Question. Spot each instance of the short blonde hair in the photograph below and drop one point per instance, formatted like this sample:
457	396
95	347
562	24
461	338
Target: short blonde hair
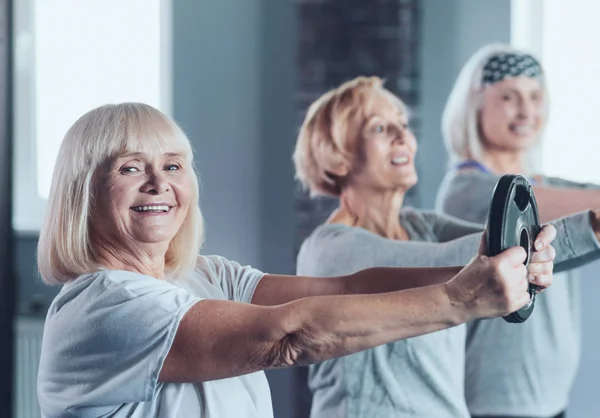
65	250
330	132
460	119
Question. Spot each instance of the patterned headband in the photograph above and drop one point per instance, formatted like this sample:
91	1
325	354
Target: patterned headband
505	65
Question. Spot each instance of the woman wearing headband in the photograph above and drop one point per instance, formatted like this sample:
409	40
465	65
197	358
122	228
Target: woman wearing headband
355	143
491	125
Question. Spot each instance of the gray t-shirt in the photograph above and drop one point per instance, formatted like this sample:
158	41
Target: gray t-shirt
108	333
525	369
416	377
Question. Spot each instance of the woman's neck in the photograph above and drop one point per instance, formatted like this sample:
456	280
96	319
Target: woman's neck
504	162
148	259
375	211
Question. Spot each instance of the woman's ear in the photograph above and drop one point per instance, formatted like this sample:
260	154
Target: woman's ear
341	170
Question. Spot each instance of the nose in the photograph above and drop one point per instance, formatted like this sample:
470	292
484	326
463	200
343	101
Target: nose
527	108
398	133
156	183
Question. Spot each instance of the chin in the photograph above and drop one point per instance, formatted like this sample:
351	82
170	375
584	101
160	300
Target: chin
409	182
522	143
155	237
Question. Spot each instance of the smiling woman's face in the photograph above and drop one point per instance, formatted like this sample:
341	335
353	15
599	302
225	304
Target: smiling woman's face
512	114
387	147
141	198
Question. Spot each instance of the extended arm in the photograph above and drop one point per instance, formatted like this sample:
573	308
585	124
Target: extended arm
220	339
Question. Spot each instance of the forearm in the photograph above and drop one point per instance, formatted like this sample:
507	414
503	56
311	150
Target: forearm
328	327
385	279
276	289
554	202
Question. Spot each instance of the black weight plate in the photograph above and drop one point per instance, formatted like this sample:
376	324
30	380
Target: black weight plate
513	220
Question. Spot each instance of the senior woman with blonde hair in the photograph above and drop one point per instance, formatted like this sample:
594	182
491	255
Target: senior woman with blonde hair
144	327
355	144
493	124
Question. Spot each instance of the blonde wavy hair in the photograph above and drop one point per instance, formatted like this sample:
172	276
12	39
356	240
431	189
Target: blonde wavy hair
65	249
329	135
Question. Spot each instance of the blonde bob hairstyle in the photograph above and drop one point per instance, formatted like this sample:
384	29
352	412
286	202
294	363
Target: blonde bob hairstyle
327	142
460	119
65	249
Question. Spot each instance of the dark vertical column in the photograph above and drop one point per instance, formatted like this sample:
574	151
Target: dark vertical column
7	278
342	39
337	41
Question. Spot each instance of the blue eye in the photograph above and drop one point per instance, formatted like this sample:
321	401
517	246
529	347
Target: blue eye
379	129
129	170
173	167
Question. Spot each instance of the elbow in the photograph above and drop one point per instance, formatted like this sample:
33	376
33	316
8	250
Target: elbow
298	343
287	352
296	349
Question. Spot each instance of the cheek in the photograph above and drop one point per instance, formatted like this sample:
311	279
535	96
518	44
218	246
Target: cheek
494	118
367	150
540	115
107	196
412	143
119	194
183	188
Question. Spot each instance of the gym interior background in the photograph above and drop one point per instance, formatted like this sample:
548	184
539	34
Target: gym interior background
238	75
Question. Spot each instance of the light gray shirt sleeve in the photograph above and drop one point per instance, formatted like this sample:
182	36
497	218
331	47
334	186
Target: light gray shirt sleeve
105	340
576	243
447	228
237	282
345	250
467	195
357	249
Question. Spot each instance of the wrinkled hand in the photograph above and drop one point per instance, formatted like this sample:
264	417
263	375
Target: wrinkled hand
491	286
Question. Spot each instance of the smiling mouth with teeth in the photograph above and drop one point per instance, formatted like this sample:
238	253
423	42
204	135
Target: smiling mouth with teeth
400	160
522	129
152	208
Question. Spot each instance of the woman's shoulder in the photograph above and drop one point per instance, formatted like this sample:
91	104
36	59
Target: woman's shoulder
215	268
325	245
469	176
464	189
107	287
327	232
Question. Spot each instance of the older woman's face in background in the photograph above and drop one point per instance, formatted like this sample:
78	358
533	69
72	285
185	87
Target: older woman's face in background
386	151
512	113
142	198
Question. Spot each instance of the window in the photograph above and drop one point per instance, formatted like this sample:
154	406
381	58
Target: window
563	35
71	56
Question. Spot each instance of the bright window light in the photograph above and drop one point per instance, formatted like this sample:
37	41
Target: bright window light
72	56
88	53
572	144
560	33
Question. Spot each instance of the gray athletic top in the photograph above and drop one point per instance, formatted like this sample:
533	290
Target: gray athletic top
416	377
525	369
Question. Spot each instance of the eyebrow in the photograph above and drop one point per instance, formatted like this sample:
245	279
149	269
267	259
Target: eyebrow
514	90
